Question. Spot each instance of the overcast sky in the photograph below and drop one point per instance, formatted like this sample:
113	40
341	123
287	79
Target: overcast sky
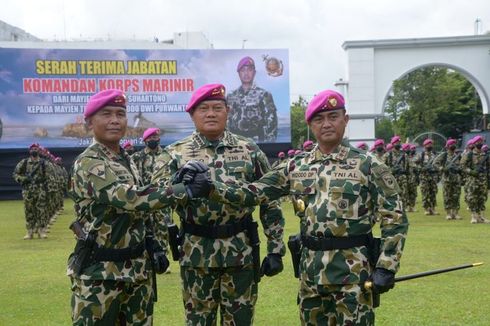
312	30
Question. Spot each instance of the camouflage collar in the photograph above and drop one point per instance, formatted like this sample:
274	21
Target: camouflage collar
243	91
98	147
158	151
228	140
340	153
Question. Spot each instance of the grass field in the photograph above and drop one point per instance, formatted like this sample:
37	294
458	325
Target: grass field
35	291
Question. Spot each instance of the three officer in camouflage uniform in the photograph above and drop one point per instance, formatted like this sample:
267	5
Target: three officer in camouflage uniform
253	113
345	189
110	268
31	174
218	252
448	163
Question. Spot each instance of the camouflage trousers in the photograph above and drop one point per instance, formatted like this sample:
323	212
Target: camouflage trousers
412	192
99	302
335	304
428	188
451	191
34	206
476	193
402	181
232	289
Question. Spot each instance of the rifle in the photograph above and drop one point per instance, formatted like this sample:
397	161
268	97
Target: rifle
451	166
397	169
30	176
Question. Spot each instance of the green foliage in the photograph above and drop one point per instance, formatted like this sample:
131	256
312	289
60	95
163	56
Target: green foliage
35	290
384	129
299	128
433	99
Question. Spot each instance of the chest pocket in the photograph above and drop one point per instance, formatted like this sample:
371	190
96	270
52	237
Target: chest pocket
239	173
344	200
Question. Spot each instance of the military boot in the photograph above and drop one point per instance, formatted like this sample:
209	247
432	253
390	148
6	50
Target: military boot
427	212
456	215
474	218
28	235
482	219
41	233
449	214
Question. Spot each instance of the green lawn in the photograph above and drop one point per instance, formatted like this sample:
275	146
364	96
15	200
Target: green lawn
35	290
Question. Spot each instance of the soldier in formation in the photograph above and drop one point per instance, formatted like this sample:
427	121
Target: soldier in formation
429	177
398	162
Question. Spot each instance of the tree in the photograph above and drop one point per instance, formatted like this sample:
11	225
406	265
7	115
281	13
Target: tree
433	99
299	128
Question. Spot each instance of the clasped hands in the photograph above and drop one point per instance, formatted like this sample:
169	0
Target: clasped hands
195	177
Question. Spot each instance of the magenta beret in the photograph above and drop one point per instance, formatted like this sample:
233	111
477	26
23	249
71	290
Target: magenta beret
395	139
413	147
126	144
428	141
389	146
281	154
477	139
325	100
450	142
307	143
150	132
484	148
35	145
405	147
361	145
296	152
108	97
379	142
245	61
291	152
206	93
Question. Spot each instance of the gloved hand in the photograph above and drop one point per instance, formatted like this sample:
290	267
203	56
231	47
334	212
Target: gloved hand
199	186
188	171
383	280
271	265
161	262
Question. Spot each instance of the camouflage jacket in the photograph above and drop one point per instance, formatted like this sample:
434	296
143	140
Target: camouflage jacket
110	203
448	164
425	162
344	192
398	161
233	159
145	162
29	172
476	161
253	114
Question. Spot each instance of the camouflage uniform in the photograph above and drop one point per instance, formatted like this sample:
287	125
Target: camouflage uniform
252	114
32	175
219	271
399	163
448	163
344	192
145	161
428	181
413	182
109	204
476	166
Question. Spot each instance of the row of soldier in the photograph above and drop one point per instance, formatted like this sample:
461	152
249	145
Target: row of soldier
467	169
43	179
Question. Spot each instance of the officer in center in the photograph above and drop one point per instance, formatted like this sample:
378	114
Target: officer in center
345	190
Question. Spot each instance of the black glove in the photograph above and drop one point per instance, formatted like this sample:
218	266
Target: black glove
160	261
383	280
188	171
199	187
271	265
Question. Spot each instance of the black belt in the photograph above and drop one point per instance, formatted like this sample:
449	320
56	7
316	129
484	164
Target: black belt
331	243
105	254
217	231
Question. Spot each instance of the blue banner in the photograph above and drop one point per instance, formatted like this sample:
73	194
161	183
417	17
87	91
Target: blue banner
43	92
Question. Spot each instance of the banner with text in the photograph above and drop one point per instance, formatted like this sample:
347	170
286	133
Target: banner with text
43	92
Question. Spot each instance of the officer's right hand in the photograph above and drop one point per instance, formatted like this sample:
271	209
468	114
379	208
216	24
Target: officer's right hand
383	280
199	186
271	265
188	171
